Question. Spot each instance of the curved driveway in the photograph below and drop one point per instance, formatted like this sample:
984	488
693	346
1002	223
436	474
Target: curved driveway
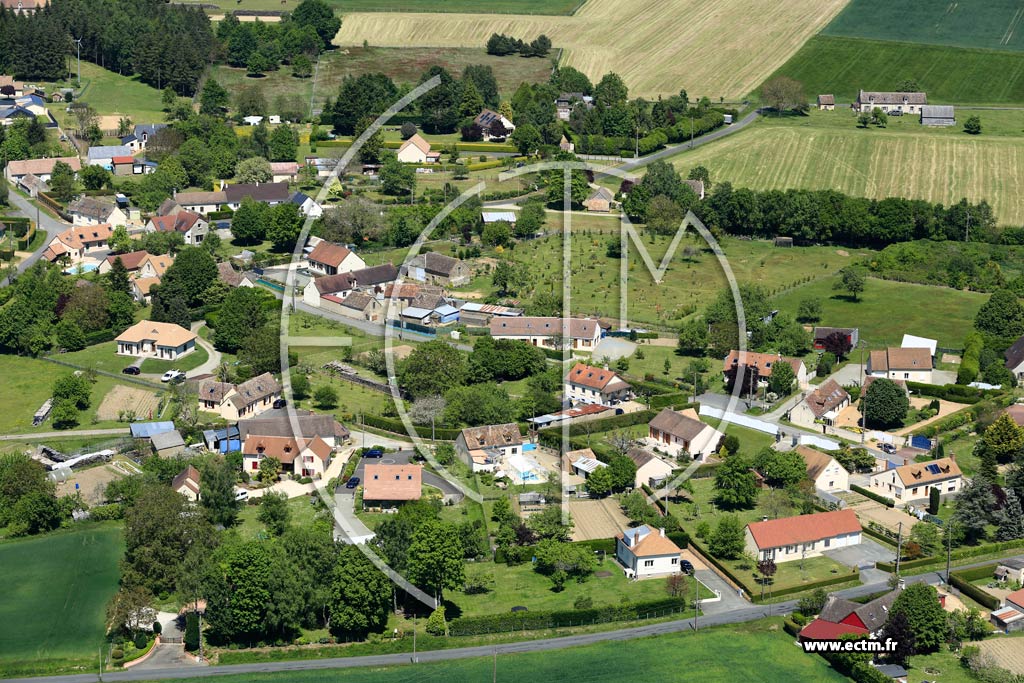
49	225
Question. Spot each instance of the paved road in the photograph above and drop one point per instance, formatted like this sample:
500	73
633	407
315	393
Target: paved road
51	226
211	365
36	436
697	142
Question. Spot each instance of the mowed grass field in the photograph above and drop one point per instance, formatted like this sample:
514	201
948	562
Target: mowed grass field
713	655
827	151
403	65
950	75
995	24
476	6
110	93
939	313
56	589
657	46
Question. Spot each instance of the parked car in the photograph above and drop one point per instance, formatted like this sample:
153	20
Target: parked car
131	370
172	376
352	483
280	403
241	494
887	448
374	453
687	566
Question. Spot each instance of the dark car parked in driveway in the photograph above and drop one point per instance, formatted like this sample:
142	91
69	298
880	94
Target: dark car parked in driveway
352	483
131	370
374	453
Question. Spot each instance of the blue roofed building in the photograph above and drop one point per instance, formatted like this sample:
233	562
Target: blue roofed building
144	430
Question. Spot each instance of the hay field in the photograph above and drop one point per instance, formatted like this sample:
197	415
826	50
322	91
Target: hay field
872	163
658	46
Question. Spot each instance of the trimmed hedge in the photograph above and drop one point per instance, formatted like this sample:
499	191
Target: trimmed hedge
678	398
959	554
975	573
484	165
552	436
971	360
653	387
396	426
972	591
839	578
957	393
879	537
872	495
791	627
605	544
523	621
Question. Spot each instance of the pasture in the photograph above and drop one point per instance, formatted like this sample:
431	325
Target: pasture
950	75
938	313
57	587
657	46
827	151
993	24
402	64
113	94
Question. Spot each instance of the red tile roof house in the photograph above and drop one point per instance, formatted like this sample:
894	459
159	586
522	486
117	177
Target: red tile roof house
645	552
794	538
821	407
588	384
187	483
1010	617
305	458
385	487
328	258
192	226
760	365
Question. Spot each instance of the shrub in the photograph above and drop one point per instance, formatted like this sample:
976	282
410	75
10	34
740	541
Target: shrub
872	495
158	628
140	641
192	634
117	653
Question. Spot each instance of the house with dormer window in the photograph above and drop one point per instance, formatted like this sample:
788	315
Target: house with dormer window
483	448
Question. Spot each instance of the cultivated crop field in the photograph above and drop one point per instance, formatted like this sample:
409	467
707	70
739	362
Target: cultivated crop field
657	46
997	24
950	75
56	589
806	152
1008	653
476	6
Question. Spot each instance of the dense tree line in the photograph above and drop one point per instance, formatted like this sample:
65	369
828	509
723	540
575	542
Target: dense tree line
296	40
167	45
501	45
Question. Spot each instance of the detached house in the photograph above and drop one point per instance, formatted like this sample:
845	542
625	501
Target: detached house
650	469
680	433
587	384
328	258
890	102
494	125
41	168
824	470
361	306
913	482
850	334
385	487
235	402
103	155
826	102
583	333
1010	617
131	261
908	364
841	617
438	269
1014	358
307	458
645	552
149	339
299	423
329	291
793	538
76	241
187	483
483	448
93	211
416	150
192	226
821	406
599	201
758	366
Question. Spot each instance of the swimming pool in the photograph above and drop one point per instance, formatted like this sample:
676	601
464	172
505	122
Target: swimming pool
83	268
527	447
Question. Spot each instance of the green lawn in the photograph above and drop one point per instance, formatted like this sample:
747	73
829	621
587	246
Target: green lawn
942	666
950	75
935	312
965	23
28	382
56	588
189	362
403	65
302	514
713	655
98	357
521	585
110	93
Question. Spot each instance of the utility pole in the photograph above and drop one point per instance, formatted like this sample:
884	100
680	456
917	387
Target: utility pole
696	600
899	547
949	548
78	42
494	668
691	132
101	662
413	642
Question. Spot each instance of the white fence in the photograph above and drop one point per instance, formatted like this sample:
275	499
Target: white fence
741	420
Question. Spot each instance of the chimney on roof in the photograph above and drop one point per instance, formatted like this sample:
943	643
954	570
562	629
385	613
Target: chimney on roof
662	530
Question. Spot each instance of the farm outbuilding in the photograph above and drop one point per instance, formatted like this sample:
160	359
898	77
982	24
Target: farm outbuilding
937	115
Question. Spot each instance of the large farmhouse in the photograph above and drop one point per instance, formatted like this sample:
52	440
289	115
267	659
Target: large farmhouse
587	384
890	102
583	333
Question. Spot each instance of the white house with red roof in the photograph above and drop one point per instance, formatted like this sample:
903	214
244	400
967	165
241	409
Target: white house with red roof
416	150
644	551
589	384
192	226
762	364
328	258
302	457
794	538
